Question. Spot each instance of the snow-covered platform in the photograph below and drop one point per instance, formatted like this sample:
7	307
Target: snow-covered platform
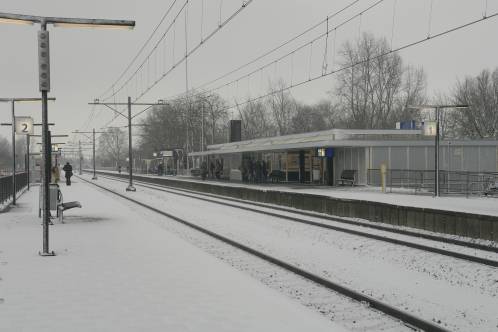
116	270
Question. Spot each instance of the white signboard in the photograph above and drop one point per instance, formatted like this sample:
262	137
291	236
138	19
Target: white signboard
167	153
24	125
429	128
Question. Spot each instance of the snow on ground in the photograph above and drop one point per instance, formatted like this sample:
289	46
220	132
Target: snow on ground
115	271
477	205
463	295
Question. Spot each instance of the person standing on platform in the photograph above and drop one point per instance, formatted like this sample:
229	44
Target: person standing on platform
68	169
56	175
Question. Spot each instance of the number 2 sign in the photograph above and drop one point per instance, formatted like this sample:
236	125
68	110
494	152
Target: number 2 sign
24	125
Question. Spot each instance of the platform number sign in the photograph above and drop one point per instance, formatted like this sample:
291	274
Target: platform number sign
24	125
429	128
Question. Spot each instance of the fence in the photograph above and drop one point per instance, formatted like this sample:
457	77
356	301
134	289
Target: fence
6	191
450	182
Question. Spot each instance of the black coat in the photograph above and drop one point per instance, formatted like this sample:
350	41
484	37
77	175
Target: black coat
68	169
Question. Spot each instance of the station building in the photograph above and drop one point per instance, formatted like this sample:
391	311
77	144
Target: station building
320	157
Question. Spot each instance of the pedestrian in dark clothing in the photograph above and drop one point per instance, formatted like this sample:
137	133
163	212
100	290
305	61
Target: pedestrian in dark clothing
264	171
251	170
204	170
257	170
218	169
119	169
68	169
211	169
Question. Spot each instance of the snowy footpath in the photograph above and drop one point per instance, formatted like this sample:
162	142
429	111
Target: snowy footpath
115	271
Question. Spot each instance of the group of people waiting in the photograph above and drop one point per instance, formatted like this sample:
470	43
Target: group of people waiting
254	171
56	176
214	171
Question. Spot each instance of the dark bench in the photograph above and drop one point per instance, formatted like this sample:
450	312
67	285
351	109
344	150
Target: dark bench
277	176
348	176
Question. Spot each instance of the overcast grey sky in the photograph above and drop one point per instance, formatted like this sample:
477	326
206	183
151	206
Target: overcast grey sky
85	62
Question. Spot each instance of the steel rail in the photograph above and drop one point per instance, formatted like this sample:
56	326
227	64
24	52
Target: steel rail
444	252
387	309
332	218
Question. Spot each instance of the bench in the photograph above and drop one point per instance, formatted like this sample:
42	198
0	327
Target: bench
57	202
277	176
61	206
66	206
348	176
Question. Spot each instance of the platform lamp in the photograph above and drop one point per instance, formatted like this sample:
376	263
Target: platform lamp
26	129
436	135
44	86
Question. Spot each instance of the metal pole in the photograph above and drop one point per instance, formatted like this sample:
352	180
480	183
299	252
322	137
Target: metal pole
186	147
28	139
46	168
13	154
81	157
202	131
94	174
436	160
130	153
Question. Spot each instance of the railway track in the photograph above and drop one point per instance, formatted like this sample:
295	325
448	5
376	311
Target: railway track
403	316
216	200
156	181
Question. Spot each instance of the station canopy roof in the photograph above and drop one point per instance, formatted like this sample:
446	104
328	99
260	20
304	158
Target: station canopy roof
317	139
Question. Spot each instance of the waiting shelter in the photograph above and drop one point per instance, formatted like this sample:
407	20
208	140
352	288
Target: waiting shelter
320	157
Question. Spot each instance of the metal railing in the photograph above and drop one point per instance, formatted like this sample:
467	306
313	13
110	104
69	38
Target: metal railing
450	182
6	192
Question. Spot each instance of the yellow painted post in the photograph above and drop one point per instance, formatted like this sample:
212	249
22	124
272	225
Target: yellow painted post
383	171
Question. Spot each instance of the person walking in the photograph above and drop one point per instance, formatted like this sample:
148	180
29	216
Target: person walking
69	172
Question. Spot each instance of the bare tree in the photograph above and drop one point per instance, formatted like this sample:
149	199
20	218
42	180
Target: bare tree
216	114
320	116
111	147
5	155
374	88
256	120
413	92
282	106
481	92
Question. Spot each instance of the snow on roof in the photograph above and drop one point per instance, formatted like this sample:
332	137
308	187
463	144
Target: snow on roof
332	138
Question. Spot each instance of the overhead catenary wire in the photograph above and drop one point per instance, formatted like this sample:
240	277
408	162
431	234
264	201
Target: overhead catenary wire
400	48
195	48
280	46
244	5
299	48
275	62
141	48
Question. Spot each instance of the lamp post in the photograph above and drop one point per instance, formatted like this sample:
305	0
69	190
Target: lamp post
13	101
437	109
128	117
44	87
93	132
